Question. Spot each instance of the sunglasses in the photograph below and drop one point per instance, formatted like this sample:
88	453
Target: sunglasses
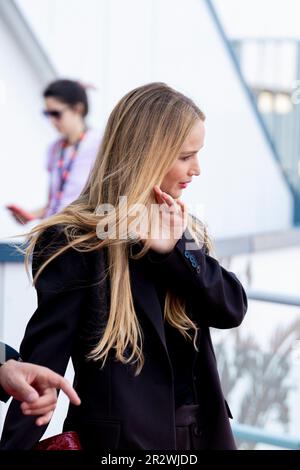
55	113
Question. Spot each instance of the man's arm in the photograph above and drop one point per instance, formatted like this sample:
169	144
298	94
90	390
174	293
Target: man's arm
36	387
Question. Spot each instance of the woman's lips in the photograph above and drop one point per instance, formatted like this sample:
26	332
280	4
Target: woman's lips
184	185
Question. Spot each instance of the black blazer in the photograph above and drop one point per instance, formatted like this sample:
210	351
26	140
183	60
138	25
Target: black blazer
119	410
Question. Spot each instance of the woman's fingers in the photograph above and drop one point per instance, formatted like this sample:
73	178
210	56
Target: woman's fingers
184	211
168	199
182	206
165	198
158	194
172	205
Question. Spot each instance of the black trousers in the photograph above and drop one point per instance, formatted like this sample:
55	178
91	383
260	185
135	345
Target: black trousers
189	430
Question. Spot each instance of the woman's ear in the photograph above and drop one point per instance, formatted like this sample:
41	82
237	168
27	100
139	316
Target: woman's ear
79	108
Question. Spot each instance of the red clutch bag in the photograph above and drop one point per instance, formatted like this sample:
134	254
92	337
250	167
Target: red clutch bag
64	441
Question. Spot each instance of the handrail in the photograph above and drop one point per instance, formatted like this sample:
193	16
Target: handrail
248	93
259	242
253	434
273	298
10	254
245	432
244	244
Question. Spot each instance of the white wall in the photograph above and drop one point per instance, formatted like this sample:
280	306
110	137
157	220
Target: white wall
24	135
260	18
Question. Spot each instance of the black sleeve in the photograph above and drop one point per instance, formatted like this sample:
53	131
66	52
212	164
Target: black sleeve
3	395
6	353
50	333
216	295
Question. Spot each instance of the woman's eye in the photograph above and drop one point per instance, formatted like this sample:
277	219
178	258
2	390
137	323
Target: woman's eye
185	158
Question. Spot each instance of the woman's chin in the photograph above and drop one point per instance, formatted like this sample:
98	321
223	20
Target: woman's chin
176	193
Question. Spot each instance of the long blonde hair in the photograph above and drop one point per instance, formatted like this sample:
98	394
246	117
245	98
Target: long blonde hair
142	140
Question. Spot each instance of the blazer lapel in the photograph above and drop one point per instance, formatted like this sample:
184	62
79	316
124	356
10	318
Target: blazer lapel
146	298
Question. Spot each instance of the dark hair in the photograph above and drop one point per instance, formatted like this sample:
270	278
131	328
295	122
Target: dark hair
69	92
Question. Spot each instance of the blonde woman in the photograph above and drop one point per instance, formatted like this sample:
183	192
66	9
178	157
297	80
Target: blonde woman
127	288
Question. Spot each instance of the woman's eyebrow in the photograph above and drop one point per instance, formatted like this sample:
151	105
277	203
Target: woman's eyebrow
189	152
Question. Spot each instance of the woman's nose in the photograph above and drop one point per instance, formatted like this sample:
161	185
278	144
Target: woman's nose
195	169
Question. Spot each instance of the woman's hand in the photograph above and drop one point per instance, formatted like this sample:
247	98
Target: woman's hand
170	222
21	216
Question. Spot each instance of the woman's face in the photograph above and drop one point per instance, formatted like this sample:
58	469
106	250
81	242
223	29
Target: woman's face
64	116
187	165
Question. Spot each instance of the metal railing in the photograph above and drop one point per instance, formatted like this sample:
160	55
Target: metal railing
253	434
248	433
273	298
